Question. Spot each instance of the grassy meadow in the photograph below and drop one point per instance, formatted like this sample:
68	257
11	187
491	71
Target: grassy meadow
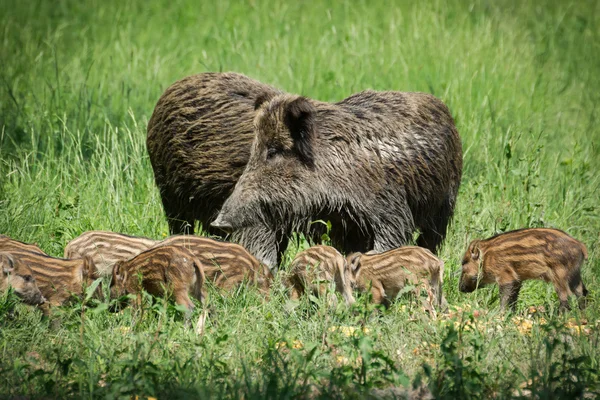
79	81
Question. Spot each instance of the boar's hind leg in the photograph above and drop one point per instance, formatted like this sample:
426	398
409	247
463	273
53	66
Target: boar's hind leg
179	221
562	290
578	288
509	293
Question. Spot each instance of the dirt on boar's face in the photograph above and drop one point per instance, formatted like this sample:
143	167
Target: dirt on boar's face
377	165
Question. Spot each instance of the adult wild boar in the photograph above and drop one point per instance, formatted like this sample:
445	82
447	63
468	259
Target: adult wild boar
199	140
378	165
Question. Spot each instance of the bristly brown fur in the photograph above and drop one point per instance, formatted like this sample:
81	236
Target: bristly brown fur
16	274
378	165
510	258
106	248
58	279
226	265
389	272
199	139
161	270
8	244
313	269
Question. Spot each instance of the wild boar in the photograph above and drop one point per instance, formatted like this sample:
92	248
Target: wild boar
20	277
160	271
106	248
313	269
7	244
58	279
510	258
199	139
378	165
226	265
389	272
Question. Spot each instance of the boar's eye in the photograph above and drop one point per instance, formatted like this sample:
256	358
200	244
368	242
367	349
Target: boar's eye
28	278
272	152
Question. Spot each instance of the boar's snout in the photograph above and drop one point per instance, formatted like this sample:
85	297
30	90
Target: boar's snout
467	284
32	298
222	223
39	300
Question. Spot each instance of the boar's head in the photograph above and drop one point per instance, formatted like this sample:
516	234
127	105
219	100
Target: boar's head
278	182
20	277
471	274
119	280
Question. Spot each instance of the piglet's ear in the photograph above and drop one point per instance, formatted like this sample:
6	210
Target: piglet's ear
354	263
116	273
300	117
474	249
7	263
89	267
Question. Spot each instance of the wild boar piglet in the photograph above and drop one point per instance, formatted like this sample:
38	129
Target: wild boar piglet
510	258
389	272
226	265
160	271
106	248
20	277
313	269
58	279
8	245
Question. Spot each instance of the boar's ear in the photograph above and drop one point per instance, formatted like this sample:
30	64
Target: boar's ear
300	120
261	99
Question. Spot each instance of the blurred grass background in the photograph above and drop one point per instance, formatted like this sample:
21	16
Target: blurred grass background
79	81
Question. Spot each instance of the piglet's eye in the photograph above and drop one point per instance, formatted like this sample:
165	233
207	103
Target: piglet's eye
28	278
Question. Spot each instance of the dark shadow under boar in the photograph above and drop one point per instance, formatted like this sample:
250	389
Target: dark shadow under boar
378	165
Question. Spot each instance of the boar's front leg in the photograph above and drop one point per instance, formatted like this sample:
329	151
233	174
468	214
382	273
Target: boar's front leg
393	230
379	295
509	293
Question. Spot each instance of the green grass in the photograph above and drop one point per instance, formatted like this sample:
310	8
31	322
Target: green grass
78	83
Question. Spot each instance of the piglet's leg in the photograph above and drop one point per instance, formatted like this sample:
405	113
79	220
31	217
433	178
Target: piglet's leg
295	295
379	296
509	293
563	294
